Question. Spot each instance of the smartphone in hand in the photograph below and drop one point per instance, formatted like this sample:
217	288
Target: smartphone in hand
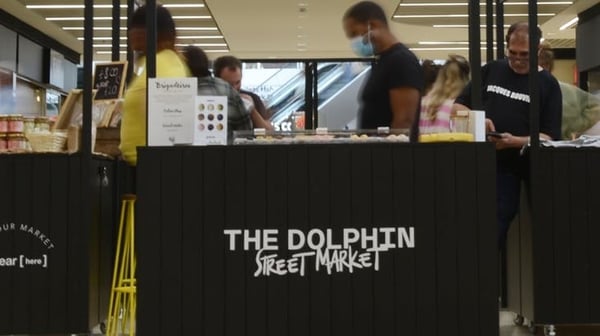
496	135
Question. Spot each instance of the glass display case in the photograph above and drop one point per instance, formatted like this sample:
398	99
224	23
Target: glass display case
319	136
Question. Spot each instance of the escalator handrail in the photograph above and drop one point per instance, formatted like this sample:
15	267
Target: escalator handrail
328	79
296	82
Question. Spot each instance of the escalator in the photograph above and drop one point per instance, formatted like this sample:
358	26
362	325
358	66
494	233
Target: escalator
290	97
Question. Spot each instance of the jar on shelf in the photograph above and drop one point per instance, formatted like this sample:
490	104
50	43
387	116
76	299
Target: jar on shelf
3	142
3	123
42	124
16	142
15	123
28	124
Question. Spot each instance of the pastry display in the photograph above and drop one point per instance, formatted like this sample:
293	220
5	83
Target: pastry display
318	137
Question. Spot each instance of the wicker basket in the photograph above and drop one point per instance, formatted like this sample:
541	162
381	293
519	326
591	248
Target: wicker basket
47	141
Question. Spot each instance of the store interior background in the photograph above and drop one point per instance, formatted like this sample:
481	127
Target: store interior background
293	31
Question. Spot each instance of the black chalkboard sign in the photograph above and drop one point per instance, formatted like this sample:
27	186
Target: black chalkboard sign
109	79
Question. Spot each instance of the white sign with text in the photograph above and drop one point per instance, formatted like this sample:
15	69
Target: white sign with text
171	111
332	251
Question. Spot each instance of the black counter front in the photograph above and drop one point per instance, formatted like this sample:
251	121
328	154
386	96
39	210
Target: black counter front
432	271
55	259
554	261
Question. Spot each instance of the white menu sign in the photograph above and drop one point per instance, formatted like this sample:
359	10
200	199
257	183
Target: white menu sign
210	122
171	111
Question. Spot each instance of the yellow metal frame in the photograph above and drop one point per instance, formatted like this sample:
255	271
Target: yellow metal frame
122	306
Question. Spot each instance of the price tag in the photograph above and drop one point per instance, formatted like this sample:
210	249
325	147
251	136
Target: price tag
383	130
322	130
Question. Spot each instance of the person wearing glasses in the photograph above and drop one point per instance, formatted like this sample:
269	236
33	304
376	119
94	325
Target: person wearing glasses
505	98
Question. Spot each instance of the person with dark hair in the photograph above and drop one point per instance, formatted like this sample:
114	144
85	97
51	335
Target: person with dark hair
392	93
430	73
168	65
229	68
436	107
505	96
238	116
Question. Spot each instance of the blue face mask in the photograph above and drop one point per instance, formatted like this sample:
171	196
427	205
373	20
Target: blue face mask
362	46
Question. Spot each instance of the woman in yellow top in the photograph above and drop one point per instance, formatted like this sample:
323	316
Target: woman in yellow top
168	64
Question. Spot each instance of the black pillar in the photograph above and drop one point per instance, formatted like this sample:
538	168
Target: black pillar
475	53
309	70
489	30
499	29
88	56
583	80
534	105
150	49
130	9
116	30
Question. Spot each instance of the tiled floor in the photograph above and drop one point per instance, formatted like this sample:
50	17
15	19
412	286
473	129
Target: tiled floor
508	328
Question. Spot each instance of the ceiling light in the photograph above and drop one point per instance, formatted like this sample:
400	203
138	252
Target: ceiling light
516	3
200	37
108	45
422	16
447	42
97	38
95	28
183	5
108	18
81	18
68	6
192	17
202	44
108	6
441	48
460	26
569	24
196	28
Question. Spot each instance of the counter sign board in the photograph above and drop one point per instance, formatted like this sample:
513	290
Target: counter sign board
171	103
210	120
109	80
318	249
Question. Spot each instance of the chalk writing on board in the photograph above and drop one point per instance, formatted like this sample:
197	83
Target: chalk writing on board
357	249
108	80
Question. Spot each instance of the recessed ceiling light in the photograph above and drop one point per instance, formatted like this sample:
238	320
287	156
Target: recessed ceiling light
447	42
195	28
194	37
515	3
108	18
98	38
202	44
460	26
108	6
108	45
423	16
183	5
569	23
192	17
95	28
441	48
81	18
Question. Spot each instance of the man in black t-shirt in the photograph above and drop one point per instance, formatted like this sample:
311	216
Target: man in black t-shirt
392	94
505	95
